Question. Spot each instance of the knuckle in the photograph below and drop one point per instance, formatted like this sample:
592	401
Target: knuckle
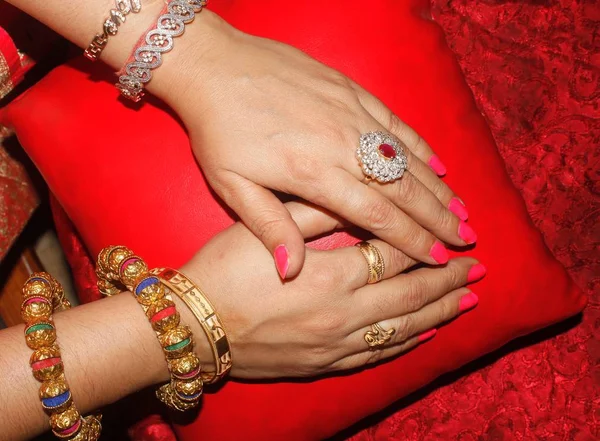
340	79
374	357
415	295
326	276
405	328
457	274
395	124
303	169
379	215
397	260
445	311
419	145
421	240
337	135
444	219
266	224
440	189
410	191
328	326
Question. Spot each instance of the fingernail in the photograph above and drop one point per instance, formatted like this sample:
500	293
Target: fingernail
427	335
282	260
457	207
476	272
439	253
468	301
467	233
437	165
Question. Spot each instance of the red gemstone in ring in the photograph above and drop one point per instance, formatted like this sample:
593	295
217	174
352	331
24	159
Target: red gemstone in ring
387	151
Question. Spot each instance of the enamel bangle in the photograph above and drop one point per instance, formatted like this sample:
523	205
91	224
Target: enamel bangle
42	296
119	267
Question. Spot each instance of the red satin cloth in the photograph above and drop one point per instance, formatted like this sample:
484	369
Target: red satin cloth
530	68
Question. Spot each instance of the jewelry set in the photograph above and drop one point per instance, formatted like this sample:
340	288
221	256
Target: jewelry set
118	270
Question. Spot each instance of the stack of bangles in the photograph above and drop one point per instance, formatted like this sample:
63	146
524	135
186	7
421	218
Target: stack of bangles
119	269
147	54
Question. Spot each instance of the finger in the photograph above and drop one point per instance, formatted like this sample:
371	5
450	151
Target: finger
431	180
395	125
267	217
429	167
414	328
312	220
367	208
407	293
367	357
357	268
415	199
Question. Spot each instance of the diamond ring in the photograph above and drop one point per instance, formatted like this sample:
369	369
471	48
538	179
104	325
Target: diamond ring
381	156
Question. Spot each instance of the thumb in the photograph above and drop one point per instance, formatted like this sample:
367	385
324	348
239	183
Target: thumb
267	217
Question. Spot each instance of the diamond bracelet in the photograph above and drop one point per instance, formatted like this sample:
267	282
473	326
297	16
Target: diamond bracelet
111	26
158	40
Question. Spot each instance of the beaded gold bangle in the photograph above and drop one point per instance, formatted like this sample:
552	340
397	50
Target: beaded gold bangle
201	307
42	295
117	265
111	25
147	57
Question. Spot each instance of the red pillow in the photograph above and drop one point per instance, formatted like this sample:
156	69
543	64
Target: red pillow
128	176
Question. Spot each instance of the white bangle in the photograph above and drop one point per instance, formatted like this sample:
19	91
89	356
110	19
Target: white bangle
111	26
159	39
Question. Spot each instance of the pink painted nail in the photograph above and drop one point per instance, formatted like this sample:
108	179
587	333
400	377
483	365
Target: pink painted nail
439	253
427	335
282	260
476	272
467	233
457	207
468	301
437	165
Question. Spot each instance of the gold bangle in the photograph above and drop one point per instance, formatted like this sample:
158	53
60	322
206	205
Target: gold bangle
201	307
42	296
119	268
111	25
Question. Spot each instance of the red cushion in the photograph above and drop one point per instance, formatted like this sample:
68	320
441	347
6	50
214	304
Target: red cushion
128	176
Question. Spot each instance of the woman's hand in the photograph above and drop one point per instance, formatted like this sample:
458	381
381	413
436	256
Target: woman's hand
263	117
316	323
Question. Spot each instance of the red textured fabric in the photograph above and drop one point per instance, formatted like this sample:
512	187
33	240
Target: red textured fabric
422	83
534	68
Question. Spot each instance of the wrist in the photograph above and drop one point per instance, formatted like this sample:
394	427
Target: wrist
194	59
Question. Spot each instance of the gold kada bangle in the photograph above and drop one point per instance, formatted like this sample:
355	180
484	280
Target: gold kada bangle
201	307
119	268
42	296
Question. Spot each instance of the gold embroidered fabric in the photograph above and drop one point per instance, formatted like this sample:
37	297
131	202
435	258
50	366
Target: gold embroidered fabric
6	84
18	198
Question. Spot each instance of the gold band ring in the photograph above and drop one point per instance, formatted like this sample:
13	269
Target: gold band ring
374	260
377	337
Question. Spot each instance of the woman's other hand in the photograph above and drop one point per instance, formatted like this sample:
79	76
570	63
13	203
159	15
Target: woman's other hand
317	322
263	117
